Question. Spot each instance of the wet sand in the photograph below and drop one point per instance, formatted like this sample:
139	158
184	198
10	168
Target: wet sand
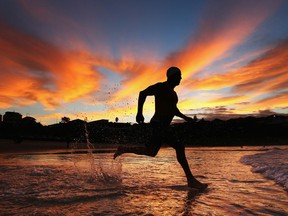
9	146
95	184
34	146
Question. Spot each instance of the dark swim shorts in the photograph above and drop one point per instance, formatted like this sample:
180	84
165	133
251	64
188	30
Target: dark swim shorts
162	133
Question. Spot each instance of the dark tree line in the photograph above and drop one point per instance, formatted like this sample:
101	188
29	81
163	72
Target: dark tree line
242	131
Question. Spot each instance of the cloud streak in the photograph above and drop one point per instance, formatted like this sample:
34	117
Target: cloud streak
34	70
267	74
219	31
214	37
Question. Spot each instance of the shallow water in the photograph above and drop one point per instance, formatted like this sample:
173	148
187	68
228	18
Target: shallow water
86	184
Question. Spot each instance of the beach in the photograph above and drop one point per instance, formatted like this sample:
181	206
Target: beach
34	146
59	183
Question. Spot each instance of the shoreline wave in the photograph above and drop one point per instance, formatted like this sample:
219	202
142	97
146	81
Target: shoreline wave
272	164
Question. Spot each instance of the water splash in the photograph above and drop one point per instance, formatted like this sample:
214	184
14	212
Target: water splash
92	166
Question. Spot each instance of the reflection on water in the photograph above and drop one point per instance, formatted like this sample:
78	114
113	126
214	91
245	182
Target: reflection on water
86	184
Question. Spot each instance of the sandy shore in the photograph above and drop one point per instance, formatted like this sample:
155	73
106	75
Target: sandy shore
7	146
26	146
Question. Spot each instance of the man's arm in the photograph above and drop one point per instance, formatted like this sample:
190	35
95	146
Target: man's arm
141	101
151	90
181	115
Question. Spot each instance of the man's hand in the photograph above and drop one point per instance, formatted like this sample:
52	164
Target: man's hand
139	118
181	115
188	119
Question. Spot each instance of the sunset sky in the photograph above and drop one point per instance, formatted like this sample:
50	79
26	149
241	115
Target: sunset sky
89	59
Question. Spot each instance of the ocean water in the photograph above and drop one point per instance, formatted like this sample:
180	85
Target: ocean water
273	164
51	183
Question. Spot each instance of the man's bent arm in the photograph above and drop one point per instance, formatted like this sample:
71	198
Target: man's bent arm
151	90
181	115
141	100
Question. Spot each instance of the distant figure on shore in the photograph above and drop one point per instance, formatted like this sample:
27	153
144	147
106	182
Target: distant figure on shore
165	109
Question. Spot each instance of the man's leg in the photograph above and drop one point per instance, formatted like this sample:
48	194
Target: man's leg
150	149
172	138
130	149
191	180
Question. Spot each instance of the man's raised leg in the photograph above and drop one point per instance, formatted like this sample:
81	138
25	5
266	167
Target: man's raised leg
130	149
135	150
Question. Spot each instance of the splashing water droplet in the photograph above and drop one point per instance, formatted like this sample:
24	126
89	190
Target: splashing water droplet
92	167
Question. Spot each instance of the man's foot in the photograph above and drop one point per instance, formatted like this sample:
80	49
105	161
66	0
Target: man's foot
119	151
197	185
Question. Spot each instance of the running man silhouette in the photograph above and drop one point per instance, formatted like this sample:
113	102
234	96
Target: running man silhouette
165	109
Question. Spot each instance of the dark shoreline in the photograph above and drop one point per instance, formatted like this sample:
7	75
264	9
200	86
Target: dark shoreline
249	131
60	147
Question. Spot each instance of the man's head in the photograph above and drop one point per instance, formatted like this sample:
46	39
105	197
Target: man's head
174	75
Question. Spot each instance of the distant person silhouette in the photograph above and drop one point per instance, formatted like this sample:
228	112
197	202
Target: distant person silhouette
165	109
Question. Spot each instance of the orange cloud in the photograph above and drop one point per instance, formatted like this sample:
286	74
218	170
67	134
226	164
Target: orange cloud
224	101
260	78
144	75
277	100
267	73
33	70
219	31
136	74
215	36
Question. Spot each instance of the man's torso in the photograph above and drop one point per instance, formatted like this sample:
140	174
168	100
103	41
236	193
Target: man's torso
165	102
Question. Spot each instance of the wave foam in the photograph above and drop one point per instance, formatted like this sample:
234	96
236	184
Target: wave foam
273	164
